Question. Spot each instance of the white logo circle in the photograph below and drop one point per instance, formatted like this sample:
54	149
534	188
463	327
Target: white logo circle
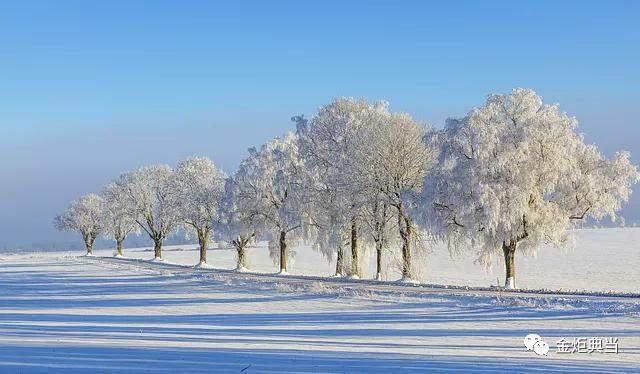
530	340
541	348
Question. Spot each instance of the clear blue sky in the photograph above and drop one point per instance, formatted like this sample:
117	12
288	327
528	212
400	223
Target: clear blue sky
91	89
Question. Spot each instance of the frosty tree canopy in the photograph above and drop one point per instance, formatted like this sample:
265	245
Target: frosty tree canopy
515	172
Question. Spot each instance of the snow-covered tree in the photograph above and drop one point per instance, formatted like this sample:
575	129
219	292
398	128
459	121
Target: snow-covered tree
329	145
153	198
119	218
85	215
378	218
396	162
234	225
325	200
327	226
268	191
514	174
199	191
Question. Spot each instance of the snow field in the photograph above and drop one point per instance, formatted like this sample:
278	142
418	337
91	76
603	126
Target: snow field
589	265
68	313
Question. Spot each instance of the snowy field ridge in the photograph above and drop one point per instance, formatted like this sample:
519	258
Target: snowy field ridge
346	281
605	303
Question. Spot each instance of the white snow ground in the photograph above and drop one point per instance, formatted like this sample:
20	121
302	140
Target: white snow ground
67	313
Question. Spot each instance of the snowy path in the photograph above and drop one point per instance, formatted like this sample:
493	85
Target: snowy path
74	314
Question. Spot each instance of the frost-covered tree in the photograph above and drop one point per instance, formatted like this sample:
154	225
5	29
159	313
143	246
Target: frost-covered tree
152	196
395	162
329	145
514	174
119	218
268	192
199	189
234	225
325	197
85	215
378	217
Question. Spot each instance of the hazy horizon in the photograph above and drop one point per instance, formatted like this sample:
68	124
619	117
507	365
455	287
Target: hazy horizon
92	90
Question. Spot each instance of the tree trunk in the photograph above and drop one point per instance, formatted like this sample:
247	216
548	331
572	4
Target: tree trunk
380	240
406	251
340	262
404	226
240	243
379	245
88	243
119	247
89	247
203	240
283	251
509	250
242	258
355	263
157	249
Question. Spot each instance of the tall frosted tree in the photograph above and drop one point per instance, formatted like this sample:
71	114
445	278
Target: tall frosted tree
153	200
515	173
119	217
325	196
268	190
86	216
395	162
329	145
199	188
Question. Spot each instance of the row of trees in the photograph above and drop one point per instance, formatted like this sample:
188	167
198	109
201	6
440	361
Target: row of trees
510	176
155	200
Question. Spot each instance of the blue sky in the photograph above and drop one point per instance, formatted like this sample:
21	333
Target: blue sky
91	89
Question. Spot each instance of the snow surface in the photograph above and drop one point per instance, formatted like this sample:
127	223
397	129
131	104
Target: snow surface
204	265
69	313
600	260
